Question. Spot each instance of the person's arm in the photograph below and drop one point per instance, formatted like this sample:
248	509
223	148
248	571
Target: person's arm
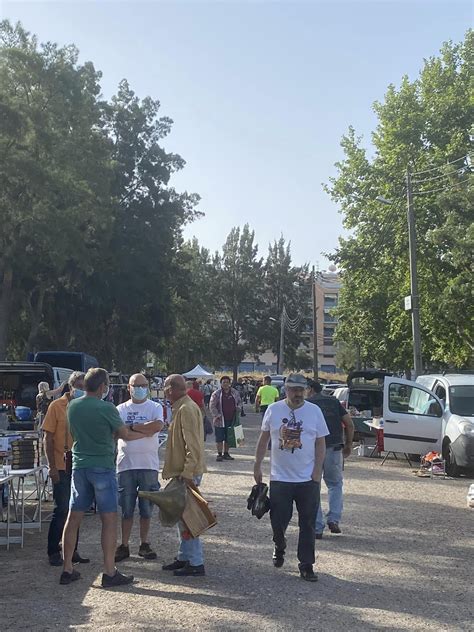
216	415
260	452
319	455
127	434
49	450
193	444
149	428
56	391
349	434
258	399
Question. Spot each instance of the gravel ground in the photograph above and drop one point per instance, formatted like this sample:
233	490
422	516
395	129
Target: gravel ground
404	562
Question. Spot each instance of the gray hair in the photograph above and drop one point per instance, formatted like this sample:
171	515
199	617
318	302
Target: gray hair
75	377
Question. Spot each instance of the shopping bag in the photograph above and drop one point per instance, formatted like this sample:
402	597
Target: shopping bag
197	516
235	436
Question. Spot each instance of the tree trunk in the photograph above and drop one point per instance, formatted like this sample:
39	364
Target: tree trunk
36	316
5	304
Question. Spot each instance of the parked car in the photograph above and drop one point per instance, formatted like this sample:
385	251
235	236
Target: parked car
60	375
434	413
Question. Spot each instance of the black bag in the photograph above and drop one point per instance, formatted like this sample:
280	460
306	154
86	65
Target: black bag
258	502
208	427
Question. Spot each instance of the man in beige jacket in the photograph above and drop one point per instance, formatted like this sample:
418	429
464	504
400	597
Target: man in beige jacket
184	459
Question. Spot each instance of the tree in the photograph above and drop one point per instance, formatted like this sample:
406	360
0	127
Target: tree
54	172
425	124
236	302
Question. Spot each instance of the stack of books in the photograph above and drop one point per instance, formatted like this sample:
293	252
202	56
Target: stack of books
25	454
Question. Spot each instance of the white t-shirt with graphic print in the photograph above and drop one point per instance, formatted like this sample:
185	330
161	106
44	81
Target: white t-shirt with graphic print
141	454
293	434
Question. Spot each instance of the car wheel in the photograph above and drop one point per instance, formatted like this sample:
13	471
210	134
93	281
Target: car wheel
452	469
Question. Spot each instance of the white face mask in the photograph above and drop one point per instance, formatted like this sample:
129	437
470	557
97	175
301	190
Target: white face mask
139	392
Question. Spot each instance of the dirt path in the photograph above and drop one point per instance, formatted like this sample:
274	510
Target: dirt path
404	562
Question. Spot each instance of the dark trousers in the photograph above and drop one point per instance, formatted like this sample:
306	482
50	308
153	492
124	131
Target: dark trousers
306	497
61	494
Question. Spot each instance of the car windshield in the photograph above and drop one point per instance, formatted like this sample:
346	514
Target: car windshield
461	400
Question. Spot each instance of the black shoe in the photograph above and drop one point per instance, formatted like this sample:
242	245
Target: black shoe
334	527
243	415
307	573
55	559
319	536
77	559
146	551
227	457
174	566
190	571
122	553
278	557
109	581
67	578
219	457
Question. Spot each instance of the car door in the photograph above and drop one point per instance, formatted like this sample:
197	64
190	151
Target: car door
412	417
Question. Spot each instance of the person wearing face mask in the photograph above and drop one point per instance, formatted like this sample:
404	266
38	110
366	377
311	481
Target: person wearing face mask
138	464
297	429
94	425
57	444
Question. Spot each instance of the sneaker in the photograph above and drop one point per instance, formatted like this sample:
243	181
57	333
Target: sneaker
55	559
190	571
78	559
278	557
109	581
122	553
146	551
227	457
67	578
174	566
334	527
319	536
219	457
307	573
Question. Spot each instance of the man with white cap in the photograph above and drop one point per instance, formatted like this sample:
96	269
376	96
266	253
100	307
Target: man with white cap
297	429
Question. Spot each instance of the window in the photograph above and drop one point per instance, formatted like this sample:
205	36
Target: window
330	300
412	401
462	400
328	317
328	342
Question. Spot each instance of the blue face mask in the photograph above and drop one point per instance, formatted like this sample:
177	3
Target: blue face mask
78	393
139	392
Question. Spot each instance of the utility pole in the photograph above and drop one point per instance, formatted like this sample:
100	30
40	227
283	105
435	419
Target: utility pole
281	355
315	326
415	299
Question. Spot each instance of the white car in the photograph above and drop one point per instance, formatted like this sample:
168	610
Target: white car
434	413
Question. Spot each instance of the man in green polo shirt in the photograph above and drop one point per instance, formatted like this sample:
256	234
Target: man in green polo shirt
266	395
94	424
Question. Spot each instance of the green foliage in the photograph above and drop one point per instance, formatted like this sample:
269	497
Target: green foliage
424	124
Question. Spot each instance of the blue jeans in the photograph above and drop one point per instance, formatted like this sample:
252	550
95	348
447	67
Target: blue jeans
94	482
190	550
333	477
130	482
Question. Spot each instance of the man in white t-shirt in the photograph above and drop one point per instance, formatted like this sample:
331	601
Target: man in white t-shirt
138	464
297	429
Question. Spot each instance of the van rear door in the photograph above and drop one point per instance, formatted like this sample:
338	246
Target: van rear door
412	417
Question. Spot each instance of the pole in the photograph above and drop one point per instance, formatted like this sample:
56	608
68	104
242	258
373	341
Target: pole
315	326
281	355
415	299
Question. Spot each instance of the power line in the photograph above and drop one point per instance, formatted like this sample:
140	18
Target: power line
440	188
443	175
419	173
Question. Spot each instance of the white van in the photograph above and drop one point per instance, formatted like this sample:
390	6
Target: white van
434	413
60	375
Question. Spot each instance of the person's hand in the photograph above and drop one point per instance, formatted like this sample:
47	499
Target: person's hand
316	477
347	451
189	481
54	475
257	473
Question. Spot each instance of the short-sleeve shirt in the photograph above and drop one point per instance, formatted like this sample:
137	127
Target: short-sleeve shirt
293	434
92	423
141	454
268	394
196	396
55	422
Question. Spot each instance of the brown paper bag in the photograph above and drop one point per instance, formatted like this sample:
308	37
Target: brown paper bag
196	515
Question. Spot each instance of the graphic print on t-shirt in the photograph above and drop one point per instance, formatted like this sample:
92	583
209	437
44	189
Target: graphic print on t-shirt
290	433
135	417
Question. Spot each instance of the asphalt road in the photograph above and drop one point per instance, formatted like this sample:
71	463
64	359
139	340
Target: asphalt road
405	561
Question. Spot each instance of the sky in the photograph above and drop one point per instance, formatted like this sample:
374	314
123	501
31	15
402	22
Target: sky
260	93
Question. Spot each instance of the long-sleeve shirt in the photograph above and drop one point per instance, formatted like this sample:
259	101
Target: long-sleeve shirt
185	446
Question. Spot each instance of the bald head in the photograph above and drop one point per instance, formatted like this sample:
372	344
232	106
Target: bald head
138	379
175	387
138	388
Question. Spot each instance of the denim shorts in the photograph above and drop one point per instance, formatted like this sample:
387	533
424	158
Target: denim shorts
91	483
130	482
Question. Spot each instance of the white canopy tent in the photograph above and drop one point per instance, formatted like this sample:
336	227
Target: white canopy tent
197	372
